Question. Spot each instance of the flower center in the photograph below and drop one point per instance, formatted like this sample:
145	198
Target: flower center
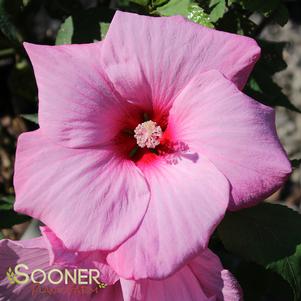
148	134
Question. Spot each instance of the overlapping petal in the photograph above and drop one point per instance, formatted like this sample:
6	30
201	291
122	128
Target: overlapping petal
188	199
79	191
151	66
59	255
203	279
214	279
181	286
236	133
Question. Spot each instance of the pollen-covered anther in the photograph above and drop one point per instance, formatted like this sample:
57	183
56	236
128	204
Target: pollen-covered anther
148	134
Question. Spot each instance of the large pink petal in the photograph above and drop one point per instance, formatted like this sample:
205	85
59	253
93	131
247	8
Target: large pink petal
214	279
158	61
234	132
79	191
77	107
188	199
182	286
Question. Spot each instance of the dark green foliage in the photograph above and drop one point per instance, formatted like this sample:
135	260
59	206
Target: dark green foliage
296	163
8	217
9	12
31	117
274	9
84	26
261	85
266	235
259	283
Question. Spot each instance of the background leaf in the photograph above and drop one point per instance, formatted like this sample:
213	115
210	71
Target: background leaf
141	2
260	234
84	26
31	117
256	281
104	29
261	85
8	11
65	33
198	15
174	7
296	163
8	217
218	9
6	202
273	9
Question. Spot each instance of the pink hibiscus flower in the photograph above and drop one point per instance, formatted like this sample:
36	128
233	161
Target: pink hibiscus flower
145	140
202	279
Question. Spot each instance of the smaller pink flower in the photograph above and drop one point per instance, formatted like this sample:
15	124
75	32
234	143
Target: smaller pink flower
202	279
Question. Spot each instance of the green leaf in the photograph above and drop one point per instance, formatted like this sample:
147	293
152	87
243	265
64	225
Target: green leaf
218	9
6	202
65	33
268	235
8	217
7	52
104	29
86	26
31	117
265	7
1	235
158	3
186	8
175	7
198	15
26	2
143	3
257	283
290	269
272	56
296	163
22	85
7	26
268	8
236	22
262	87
